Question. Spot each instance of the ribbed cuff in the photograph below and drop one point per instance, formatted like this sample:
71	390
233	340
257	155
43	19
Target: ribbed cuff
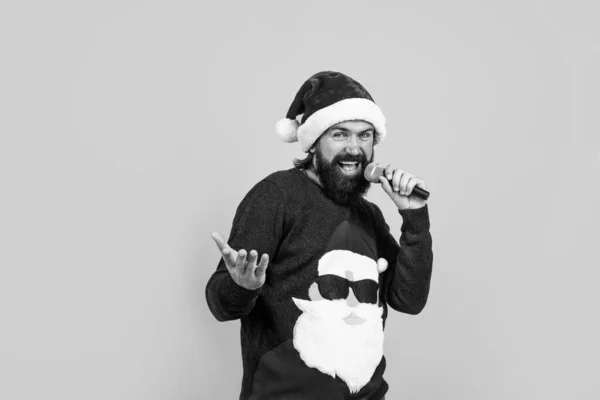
236	294
416	220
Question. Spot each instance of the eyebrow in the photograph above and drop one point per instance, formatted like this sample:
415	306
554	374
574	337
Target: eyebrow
348	130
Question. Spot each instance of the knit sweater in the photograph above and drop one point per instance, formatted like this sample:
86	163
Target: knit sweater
287	216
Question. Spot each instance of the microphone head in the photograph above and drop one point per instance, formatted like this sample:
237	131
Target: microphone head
369	175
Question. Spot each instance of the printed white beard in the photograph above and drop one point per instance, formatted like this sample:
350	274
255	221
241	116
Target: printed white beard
326	342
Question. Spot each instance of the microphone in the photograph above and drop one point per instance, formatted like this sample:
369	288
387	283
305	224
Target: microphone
374	171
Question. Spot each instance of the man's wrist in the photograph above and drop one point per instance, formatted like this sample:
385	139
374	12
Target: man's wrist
415	220
238	294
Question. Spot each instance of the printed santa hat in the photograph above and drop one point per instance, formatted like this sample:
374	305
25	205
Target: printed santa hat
350	248
325	99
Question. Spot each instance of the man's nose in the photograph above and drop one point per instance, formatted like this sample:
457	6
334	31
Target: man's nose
352	147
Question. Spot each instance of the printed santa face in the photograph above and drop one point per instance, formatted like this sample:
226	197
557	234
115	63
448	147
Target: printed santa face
340	331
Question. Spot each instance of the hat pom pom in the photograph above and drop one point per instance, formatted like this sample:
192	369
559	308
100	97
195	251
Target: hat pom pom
287	129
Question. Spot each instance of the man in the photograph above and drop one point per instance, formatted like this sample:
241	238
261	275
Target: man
310	266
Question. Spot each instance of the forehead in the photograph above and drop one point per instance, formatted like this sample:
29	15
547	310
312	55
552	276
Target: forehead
354	126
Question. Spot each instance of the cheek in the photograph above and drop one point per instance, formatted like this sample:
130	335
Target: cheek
331	148
368	151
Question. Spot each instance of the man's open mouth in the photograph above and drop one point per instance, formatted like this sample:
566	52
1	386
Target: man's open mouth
349	166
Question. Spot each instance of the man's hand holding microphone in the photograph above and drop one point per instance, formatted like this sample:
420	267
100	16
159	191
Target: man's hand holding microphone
406	190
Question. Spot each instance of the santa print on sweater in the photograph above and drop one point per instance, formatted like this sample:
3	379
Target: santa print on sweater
340	331
344	336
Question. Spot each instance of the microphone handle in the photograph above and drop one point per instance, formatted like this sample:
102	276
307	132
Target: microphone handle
420	192
417	191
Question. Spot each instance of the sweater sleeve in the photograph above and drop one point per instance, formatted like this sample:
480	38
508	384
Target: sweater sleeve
407	279
257	225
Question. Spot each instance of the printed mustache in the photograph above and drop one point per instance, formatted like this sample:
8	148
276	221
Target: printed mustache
337	309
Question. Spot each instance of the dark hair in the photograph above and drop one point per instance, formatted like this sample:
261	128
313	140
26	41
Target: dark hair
305	163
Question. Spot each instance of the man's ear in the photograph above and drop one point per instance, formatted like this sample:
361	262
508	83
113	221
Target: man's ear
316	142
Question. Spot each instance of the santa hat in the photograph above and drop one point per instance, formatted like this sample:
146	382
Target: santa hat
325	99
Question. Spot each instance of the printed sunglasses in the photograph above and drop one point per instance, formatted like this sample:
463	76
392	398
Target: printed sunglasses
333	287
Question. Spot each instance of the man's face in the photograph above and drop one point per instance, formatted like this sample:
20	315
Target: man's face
341	156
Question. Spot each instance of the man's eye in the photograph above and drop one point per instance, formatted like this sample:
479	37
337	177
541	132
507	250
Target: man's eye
338	134
366	134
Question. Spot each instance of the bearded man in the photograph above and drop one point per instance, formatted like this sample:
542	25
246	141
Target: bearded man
312	324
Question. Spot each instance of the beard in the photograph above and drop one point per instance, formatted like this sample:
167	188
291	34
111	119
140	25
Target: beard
339	187
326	342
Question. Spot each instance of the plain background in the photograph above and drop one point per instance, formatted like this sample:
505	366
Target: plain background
132	129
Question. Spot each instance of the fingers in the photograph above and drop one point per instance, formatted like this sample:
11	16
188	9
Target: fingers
262	266
403	185
240	263
402	182
389	172
395	176
230	257
251	261
414	181
246	262
397	180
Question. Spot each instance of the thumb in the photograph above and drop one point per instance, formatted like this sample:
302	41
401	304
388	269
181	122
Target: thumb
385	184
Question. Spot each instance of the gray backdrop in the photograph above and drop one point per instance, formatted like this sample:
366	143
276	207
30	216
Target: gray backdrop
132	129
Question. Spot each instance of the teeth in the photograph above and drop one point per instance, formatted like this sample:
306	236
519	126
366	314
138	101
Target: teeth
349	166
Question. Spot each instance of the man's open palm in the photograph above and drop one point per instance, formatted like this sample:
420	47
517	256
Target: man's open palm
242	266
